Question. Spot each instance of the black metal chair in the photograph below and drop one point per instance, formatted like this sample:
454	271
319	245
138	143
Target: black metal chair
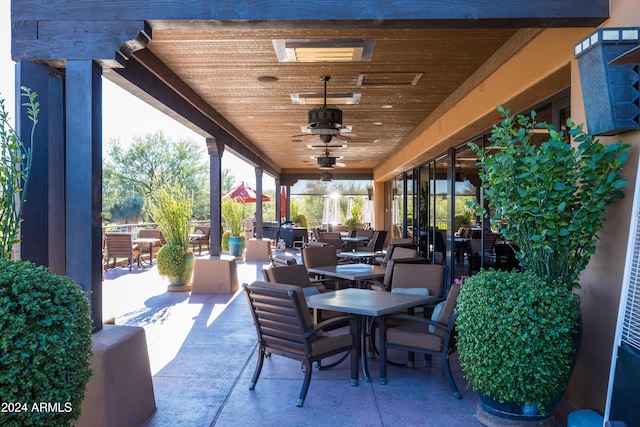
284	326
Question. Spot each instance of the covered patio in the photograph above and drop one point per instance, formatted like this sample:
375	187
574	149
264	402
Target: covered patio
202	350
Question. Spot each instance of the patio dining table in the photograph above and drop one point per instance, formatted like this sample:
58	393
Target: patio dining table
368	304
356	273
147	241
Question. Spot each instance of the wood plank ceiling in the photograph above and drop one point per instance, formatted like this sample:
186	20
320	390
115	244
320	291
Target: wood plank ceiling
236	71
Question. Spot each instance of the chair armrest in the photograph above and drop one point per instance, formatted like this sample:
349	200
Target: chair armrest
447	328
376	285
331	322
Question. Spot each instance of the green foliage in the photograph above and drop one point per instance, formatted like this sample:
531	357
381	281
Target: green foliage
233	213
301	219
45	343
15	169
170	260
225	241
127	211
170	206
352	223
515	336
149	162
550	200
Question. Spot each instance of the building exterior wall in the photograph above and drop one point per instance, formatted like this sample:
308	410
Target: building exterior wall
543	67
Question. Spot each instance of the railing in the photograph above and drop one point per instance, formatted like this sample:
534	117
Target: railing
133	228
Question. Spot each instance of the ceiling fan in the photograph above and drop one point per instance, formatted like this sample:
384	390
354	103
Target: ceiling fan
327	161
325	122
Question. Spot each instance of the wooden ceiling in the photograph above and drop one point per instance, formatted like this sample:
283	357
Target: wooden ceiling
235	70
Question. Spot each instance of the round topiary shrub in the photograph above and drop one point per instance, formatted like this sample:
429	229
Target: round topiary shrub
45	346
170	260
516	336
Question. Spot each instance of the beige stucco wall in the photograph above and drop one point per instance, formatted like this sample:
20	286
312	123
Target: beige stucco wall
601	282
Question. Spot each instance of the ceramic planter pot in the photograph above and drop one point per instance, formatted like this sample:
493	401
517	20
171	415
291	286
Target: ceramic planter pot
236	246
183	282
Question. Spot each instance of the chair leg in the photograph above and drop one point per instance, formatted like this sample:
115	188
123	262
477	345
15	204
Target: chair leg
447	371
307	380
256	373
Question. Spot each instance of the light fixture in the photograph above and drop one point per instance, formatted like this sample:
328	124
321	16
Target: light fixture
325	177
324	50
330	98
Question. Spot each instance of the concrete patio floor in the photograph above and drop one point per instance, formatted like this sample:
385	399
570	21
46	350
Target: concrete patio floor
202	350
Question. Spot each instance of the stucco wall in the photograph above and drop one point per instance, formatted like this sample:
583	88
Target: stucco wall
601	282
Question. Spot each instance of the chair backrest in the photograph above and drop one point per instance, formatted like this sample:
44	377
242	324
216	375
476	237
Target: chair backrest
402	241
418	276
281	317
399	252
119	244
153	233
448	309
376	243
332	239
205	230
289	275
319	256
282	260
365	233
317	231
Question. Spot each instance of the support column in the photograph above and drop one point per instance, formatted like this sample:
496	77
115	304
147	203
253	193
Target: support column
258	215
278	202
83	177
215	149
42	233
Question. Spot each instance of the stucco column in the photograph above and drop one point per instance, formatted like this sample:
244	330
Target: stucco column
215	150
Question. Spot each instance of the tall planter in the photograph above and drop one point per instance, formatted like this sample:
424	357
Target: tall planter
516	331
236	245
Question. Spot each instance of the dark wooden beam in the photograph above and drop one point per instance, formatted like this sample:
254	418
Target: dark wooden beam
83	177
452	13
163	86
63	39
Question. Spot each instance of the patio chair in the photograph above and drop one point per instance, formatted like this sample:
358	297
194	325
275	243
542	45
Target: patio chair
482	251
285	327
323	256
332	239
397	252
120	245
297	275
376	243
200	238
433	336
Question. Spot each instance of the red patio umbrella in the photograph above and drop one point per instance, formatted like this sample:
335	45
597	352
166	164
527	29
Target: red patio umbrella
245	193
283	202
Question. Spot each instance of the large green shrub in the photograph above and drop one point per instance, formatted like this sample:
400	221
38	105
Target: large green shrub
550	199
515	336
45	345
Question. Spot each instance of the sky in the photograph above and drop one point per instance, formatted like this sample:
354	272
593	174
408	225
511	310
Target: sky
118	118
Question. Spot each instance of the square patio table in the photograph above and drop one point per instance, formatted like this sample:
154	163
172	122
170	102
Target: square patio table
352	272
368	304
147	241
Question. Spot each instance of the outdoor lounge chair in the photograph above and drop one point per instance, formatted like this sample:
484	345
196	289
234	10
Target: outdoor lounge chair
285	327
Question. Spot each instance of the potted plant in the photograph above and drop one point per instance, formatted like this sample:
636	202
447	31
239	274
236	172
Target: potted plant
549	201
233	212
45	344
171	207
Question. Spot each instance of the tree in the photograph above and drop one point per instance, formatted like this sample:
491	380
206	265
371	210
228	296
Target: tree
150	162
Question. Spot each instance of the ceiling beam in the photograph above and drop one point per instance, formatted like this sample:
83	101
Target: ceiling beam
496	13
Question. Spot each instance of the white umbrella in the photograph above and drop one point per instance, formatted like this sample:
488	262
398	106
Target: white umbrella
331	210
367	212
349	206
